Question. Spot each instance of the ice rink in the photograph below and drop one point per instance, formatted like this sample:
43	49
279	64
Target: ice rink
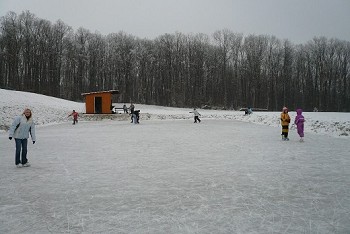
173	176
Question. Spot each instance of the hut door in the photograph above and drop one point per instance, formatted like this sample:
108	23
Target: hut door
98	105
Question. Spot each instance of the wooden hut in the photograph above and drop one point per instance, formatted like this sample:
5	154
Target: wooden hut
99	102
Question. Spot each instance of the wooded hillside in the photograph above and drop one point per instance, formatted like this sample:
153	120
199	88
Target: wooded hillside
225	69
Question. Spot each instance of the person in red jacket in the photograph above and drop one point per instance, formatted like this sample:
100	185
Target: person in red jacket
75	116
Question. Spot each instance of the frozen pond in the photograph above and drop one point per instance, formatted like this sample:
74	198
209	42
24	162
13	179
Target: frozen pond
173	176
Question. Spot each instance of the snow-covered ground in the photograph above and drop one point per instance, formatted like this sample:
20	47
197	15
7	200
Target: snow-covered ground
50	110
168	175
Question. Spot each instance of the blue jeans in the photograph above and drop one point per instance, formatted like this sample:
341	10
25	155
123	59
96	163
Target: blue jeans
21	144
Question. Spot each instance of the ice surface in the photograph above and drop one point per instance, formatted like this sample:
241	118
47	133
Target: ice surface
173	176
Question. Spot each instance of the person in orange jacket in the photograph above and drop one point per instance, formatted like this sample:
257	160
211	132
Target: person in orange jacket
285	120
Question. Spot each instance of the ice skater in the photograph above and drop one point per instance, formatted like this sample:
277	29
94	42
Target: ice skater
299	122
132	112
248	111
196	115
285	120
75	116
20	129
136	116
125	109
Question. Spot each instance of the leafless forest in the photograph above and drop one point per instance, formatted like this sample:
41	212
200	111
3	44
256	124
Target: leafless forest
226	69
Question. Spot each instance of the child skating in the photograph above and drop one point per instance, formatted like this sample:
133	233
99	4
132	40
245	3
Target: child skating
299	122
75	116
285	120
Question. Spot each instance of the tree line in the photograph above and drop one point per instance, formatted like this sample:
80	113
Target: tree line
226	69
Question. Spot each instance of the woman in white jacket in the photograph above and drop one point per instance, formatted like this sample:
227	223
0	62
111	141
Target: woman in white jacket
20	129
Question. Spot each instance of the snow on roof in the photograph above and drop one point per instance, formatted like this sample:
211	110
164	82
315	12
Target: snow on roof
98	92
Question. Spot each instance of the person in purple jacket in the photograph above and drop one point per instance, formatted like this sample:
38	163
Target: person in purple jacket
299	122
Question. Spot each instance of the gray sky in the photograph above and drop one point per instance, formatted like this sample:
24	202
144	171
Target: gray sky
296	20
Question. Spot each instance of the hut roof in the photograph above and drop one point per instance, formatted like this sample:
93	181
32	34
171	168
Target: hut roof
98	92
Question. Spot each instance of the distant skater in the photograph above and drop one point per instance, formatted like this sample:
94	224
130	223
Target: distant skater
20	129
248	111
136	116
285	120
125	109
299	122
196	115
132	113
75	116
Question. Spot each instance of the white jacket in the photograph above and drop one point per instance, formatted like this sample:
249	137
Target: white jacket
24	127
195	113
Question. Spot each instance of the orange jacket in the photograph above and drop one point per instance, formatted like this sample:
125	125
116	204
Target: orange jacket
285	119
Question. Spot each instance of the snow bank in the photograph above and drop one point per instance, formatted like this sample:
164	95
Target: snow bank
46	109
50	110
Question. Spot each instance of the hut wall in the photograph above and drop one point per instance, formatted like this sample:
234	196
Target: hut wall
91	100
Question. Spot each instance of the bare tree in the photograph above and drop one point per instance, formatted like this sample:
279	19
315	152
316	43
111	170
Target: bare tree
227	70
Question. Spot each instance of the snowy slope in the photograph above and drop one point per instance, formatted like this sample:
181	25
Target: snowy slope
50	110
46	109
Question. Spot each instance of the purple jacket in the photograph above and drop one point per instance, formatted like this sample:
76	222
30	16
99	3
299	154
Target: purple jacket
299	121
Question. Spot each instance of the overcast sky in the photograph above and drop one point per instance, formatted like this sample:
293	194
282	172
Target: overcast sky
296	20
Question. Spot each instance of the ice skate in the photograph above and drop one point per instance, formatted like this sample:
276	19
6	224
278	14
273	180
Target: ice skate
285	138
